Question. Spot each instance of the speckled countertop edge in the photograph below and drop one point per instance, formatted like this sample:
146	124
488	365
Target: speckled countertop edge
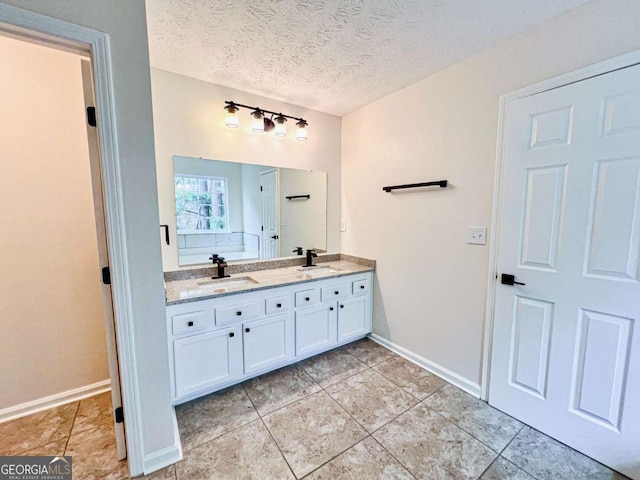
254	266
177	290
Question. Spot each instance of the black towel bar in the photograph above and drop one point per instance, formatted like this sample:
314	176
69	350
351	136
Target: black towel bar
440	183
291	197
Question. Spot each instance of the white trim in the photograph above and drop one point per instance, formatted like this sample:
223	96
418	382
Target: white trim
44	403
167	456
43	27
601	68
446	374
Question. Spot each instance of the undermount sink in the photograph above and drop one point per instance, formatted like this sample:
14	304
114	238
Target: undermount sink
225	284
313	271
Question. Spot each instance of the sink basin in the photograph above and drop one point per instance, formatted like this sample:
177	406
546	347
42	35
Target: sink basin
313	271
226	284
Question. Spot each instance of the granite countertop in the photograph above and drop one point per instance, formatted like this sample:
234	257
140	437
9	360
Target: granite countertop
204	287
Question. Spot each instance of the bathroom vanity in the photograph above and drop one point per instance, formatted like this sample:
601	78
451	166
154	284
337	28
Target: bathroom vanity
222	332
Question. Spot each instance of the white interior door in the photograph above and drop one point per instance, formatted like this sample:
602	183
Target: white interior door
270	233
566	350
103	254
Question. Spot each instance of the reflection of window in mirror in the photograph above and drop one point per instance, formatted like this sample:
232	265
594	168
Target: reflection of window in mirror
201	204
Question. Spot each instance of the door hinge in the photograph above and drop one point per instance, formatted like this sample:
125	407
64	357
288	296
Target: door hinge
119	414
106	276
260	187
262	228
91	116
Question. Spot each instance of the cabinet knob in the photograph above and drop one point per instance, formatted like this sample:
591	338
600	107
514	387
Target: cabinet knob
238	313
189	324
231	334
341	306
279	305
337	292
362	287
247	329
331	309
306	299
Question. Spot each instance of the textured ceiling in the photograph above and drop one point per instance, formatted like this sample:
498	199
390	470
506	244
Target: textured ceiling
330	55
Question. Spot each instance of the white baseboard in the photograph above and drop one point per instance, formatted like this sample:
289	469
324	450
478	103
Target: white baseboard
451	377
166	456
34	406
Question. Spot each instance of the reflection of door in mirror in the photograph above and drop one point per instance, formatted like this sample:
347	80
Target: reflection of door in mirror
269	194
226	217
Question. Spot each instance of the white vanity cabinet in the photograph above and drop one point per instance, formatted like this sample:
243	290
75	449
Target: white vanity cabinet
343	314
217	342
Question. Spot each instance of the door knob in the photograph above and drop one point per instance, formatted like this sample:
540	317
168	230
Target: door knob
275	237
508	279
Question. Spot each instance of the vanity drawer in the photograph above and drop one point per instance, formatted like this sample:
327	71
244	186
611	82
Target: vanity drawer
241	311
306	298
361	287
336	292
278	304
191	322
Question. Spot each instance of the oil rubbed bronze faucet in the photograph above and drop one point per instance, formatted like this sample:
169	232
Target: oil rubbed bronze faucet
310	254
220	264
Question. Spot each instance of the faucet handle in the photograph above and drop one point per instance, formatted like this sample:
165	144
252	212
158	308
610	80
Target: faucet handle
221	259
298	250
312	252
214	257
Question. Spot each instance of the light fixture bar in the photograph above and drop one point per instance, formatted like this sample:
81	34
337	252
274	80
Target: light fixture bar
230	104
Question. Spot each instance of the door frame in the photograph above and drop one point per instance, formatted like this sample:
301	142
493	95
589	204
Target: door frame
579	75
52	32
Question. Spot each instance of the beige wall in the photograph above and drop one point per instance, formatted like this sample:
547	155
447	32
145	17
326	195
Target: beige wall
188	119
52	325
431	286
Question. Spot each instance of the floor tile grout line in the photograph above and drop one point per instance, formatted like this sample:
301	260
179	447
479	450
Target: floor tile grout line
392	455
75	416
264	424
336	456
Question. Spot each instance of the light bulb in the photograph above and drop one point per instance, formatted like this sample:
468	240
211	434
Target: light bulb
281	128
301	134
231	119
257	124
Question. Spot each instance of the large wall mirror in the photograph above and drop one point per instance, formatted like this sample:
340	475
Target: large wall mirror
246	212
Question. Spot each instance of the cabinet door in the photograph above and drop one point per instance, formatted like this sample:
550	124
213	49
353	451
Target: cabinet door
352	318
267	342
206	360
315	329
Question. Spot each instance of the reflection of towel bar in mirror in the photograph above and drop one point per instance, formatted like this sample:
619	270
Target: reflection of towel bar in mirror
440	183
293	197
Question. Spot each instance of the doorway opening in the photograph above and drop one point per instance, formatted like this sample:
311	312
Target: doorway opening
62	383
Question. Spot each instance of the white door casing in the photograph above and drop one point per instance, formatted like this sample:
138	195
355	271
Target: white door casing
103	256
270	214
565	357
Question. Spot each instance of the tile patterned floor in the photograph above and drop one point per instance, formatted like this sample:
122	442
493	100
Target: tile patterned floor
357	413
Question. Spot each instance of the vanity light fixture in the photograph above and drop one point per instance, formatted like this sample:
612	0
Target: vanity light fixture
261	123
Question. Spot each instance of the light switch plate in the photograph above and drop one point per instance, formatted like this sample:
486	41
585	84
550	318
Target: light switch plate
343	225
477	235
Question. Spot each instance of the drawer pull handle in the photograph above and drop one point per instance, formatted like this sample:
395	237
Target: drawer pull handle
306	299
189	324
341	306
231	334
247	329
331	309
238	313
362	287
337	292
279	305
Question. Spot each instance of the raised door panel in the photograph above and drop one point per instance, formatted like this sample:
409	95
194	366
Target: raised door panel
315	329
204	361
352	319
267	342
